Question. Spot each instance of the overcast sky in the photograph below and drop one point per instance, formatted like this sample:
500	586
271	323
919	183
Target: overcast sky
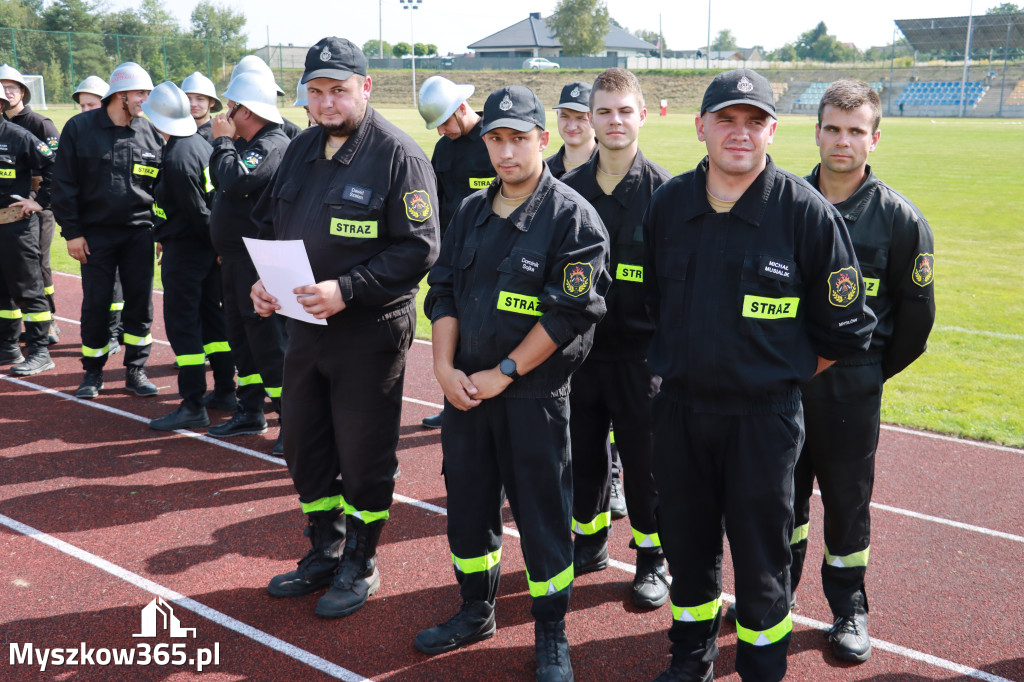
453	24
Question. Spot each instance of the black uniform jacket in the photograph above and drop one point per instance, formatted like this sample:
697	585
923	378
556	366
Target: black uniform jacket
896	251
547	263
240	172
745	301
556	162
625	332
462	167
183	191
104	173
38	125
23	155
290	129
367	215
206	131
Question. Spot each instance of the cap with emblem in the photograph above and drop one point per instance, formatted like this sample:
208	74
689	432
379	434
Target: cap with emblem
575	96
335	58
515	107
739	86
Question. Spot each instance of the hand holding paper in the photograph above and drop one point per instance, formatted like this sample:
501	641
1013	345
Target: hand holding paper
283	267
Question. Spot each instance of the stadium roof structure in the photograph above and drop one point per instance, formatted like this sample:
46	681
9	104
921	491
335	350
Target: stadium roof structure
533	31
988	32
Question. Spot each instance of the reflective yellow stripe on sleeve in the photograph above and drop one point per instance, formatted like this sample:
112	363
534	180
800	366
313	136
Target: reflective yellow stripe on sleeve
552	586
696	614
765	637
478	564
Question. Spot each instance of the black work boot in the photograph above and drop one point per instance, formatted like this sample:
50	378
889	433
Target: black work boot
357	577
138	383
650	585
326	533
618	499
690	671
11	355
474	622
91	385
551	648
38	360
241	423
849	637
188	415
220	400
590	552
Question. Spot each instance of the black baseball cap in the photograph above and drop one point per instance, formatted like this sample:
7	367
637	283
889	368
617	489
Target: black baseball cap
575	96
334	58
513	106
739	86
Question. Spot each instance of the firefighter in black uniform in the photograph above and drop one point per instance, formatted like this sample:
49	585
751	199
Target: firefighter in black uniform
19	112
191	277
842	407
203	101
754	287
360	193
22	157
460	159
513	299
103	198
575	129
247	149
614	385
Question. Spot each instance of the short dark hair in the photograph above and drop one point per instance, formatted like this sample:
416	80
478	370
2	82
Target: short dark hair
617	80
849	94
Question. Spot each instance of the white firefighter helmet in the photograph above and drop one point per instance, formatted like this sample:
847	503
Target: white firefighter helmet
253	64
198	84
256	93
93	85
167	107
9	73
127	77
439	98
301	96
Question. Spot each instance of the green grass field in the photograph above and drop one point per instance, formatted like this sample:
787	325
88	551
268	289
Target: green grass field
965	178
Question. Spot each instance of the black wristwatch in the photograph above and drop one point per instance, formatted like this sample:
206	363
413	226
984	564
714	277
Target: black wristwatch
508	368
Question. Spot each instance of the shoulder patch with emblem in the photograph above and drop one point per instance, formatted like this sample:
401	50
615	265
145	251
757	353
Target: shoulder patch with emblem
417	205
843	287
52	142
44	149
924	269
576	281
252	159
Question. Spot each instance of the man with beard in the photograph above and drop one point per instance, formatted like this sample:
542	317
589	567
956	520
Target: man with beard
360	194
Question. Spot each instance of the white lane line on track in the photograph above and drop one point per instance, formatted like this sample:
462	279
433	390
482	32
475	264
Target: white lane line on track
313	660
221	619
979	332
953	439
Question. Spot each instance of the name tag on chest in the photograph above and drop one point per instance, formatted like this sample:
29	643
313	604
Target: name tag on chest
357	194
777	268
357	229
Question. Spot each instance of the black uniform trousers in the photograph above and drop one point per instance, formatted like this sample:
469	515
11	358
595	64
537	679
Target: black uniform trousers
257	343
21	286
344	385
732	473
616	392
127	251
47	226
842	411
194	317
520	445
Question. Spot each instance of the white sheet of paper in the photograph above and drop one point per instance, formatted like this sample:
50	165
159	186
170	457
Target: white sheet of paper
283	266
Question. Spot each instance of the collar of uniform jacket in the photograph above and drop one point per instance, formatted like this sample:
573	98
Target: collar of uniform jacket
622	192
352	144
107	122
522	216
856	203
750	207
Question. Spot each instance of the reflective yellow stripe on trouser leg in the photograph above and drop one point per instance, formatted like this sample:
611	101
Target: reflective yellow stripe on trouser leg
480	564
323	504
600	522
765	637
552	586
855	560
695	614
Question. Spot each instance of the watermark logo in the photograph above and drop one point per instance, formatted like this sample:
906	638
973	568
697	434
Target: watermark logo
157	619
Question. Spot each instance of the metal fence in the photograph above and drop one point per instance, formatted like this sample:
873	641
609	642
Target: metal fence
65	58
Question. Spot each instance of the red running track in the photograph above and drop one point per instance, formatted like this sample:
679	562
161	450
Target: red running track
99	515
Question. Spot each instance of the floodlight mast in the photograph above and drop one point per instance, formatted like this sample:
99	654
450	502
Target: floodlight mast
412	4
